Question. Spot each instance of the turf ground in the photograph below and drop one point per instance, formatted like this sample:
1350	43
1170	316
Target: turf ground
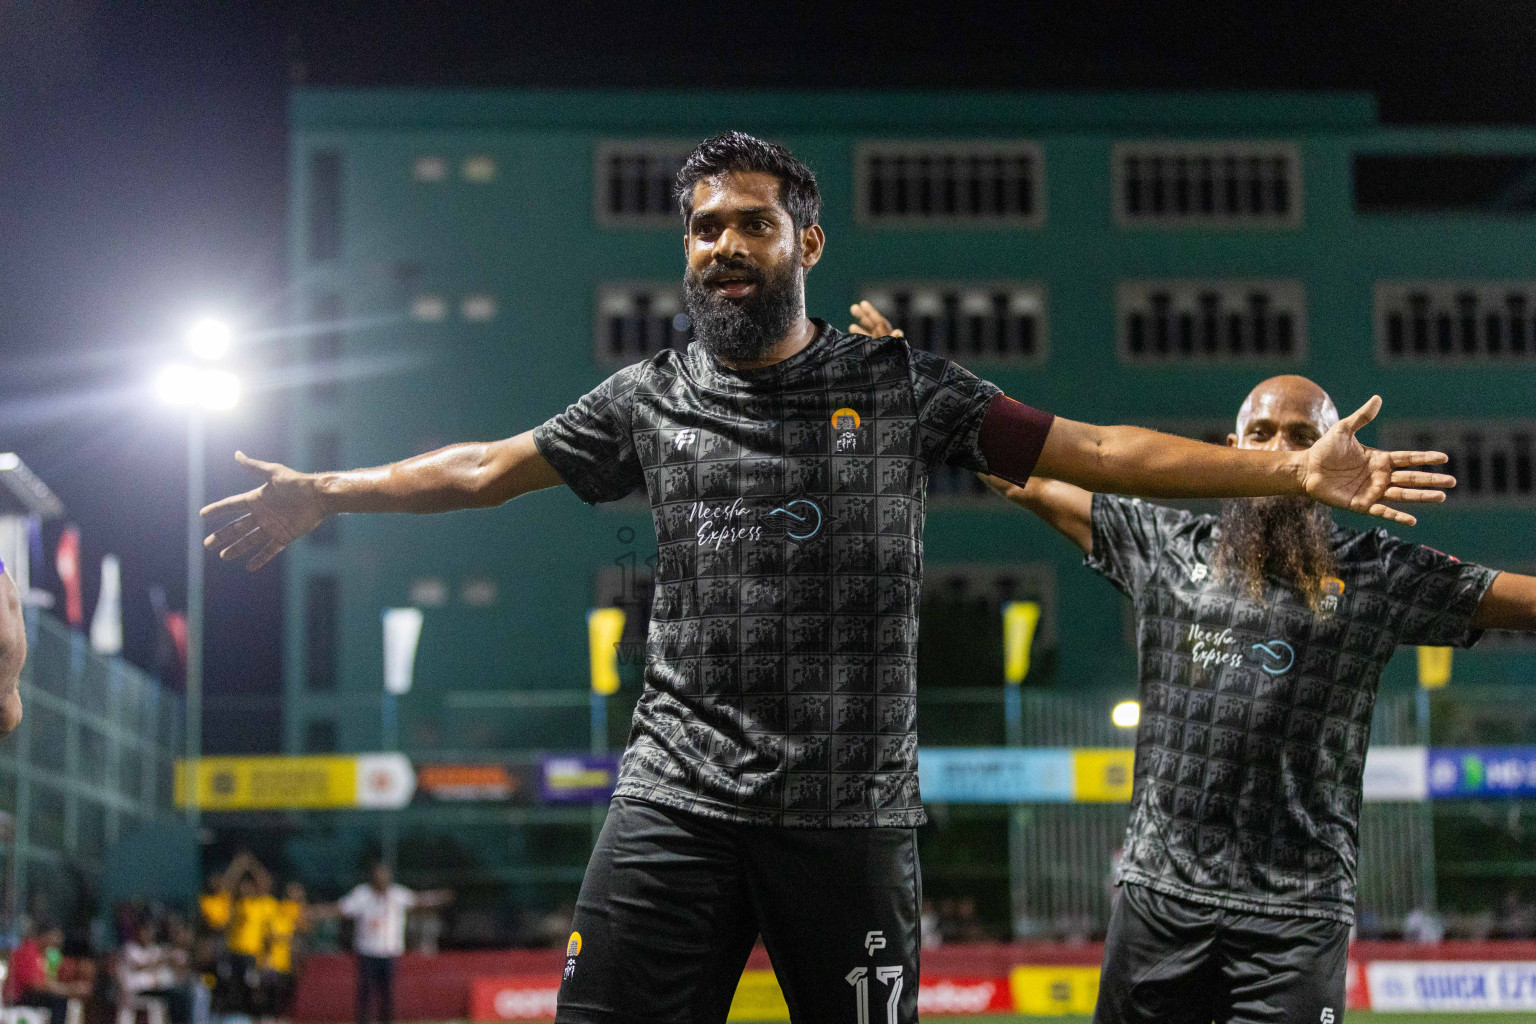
1352	1016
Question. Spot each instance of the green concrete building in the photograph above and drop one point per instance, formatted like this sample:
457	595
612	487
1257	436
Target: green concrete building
467	263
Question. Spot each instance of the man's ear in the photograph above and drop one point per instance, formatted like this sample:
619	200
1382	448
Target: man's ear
812	241
1231	440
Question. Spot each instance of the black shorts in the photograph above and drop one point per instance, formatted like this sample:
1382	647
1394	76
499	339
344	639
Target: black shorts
672	903
1171	961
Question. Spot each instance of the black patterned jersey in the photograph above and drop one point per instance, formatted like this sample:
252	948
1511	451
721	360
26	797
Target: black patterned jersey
780	677
1255	714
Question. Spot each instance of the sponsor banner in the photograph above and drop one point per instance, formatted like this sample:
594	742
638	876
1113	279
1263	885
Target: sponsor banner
1357	994
995	775
1450	985
521	998
578	778
1396	774
1103	775
1054	991
1482	772
759	998
297	783
470	782
957	997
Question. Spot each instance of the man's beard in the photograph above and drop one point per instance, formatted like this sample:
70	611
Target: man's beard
744	331
1281	536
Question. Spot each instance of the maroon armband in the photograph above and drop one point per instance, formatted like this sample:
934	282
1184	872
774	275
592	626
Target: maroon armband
1012	436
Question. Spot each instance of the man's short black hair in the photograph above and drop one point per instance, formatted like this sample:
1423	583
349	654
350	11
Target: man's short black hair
740	152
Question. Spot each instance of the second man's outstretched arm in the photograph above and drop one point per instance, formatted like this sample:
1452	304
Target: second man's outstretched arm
290	504
1337	470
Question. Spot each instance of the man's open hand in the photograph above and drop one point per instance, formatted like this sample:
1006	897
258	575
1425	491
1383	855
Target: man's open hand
870	321
1342	472
268	518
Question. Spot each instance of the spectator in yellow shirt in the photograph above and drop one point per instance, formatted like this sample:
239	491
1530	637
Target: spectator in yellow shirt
286	921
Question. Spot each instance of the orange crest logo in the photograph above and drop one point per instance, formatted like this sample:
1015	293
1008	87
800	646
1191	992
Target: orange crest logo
1333	586
845	419
573	948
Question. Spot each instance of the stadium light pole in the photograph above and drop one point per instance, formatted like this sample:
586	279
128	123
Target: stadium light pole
201	388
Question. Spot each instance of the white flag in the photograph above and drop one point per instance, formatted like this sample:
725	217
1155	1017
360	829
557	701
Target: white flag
107	623
402	629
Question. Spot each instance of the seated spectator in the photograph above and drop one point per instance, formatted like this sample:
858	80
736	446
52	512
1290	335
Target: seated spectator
146	968
29	981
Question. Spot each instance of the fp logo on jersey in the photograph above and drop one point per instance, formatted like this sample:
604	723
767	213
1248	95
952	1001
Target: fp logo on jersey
846	423
874	941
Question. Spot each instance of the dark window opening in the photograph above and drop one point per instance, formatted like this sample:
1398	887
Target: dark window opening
321	633
1488	183
320	736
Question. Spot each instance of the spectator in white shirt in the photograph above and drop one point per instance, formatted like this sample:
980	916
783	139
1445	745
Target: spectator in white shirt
146	967
378	908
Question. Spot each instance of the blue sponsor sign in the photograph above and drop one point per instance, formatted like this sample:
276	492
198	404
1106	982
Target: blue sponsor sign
995	775
1465	772
578	778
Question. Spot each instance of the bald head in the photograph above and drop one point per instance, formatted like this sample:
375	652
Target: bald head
1285	413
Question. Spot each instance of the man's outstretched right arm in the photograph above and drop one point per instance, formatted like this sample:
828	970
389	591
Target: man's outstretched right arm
290	504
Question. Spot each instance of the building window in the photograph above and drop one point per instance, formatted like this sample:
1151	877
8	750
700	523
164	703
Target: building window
428	308
637	321
478	308
479	169
1498	184
635	182
324	209
1211	321
321	612
325	454
947	184
951	483
970	323
1455	321
320	736
430	168
1490	459
1220	184
325	346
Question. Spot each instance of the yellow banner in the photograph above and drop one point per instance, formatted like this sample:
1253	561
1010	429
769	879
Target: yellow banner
1050	991
1102	775
759	998
271	783
605	628
1019	621
1434	667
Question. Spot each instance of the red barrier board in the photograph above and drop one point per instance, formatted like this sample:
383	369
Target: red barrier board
959	996
1357	994
531	997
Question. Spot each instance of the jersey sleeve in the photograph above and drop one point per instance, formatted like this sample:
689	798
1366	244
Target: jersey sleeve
951	404
590	444
1437	594
1129	537
351	905
407	898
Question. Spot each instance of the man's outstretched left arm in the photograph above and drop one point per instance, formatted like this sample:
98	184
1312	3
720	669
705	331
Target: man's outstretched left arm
1510	603
1338	470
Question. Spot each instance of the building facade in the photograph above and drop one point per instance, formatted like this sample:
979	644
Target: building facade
467	263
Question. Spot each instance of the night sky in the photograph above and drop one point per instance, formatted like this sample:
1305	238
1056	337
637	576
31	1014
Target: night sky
142	162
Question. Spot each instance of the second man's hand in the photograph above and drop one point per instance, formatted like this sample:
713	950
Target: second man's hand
871	322
284	508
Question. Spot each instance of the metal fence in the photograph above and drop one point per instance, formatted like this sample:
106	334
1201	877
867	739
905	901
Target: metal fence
1061	856
92	760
